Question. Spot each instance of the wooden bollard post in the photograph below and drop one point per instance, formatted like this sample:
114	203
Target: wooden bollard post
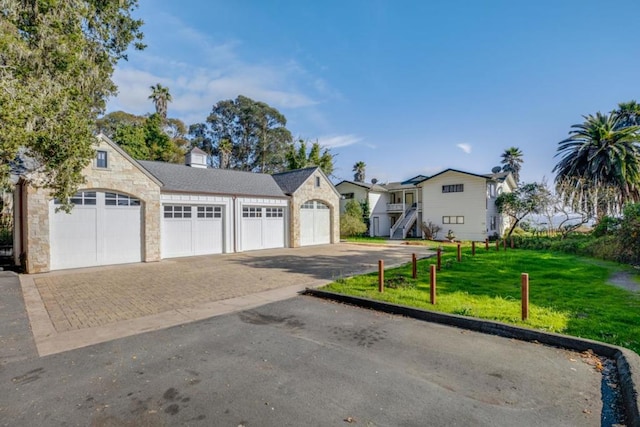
439	258
473	248
525	296
498	245
381	275
433	283
486	244
459	253
414	269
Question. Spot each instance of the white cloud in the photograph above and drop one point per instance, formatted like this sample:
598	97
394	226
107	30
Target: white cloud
216	73
464	147
339	140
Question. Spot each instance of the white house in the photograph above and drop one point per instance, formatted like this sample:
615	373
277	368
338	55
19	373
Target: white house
132	211
462	202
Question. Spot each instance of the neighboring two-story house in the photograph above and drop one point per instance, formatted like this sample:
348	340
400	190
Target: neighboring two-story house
459	201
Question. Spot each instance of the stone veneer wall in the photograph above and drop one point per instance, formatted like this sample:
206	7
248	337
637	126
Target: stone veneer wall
308	191
121	176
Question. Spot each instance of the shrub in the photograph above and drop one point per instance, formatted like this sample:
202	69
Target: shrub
430	230
351	221
605	226
629	234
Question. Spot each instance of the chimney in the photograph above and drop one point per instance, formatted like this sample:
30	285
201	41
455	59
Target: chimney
196	158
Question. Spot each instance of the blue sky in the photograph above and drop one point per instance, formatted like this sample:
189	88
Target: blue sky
408	87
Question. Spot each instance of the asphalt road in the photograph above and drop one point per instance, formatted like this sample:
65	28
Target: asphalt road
303	362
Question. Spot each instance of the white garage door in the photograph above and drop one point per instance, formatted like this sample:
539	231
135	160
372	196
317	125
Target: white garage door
103	228
315	223
191	230
262	227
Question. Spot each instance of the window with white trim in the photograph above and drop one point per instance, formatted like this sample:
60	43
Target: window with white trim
177	211
117	199
209	212
307	205
81	198
454	188
101	159
453	220
274	212
251	212
347	196
320	205
491	189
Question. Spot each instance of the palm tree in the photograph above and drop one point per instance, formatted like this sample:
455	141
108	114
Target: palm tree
224	153
161	97
629	113
359	169
512	161
600	160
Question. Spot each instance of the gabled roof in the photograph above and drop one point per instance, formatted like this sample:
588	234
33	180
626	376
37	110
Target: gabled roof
368	186
290	181
196	150
457	171
185	179
416	179
124	154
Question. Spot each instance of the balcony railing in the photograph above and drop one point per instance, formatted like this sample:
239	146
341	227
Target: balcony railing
400	207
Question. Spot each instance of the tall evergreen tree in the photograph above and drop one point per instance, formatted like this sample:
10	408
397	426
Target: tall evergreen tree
256	131
56	64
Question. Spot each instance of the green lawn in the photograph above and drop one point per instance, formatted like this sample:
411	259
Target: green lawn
568	294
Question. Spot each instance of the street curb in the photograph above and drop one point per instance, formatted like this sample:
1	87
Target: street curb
628	362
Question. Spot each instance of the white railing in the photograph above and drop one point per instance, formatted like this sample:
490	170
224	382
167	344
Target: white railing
410	220
401	206
397	224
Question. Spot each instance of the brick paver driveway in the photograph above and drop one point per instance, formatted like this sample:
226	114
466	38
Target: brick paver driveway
103	296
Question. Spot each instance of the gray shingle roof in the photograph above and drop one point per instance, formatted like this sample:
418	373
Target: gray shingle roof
292	180
370	187
181	178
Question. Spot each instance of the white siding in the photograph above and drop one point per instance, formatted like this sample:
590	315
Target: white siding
261	232
470	204
378	203
226	202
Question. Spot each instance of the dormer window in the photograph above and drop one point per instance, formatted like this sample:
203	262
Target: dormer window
101	159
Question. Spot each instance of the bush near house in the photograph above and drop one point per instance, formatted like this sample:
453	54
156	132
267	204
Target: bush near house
351	223
612	239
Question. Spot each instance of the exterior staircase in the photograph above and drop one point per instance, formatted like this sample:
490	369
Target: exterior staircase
407	220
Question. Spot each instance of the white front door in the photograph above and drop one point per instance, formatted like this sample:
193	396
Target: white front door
189	230
262	227
103	228
315	223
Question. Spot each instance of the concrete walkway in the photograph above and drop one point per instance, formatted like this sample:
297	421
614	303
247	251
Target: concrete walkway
75	308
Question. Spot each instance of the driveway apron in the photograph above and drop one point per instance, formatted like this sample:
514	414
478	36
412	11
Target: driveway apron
74	308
